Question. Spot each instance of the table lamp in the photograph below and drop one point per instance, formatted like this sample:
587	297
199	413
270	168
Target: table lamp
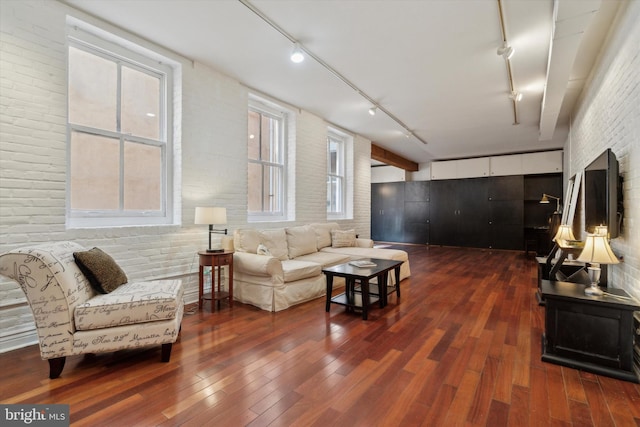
596	251
564	234
212	215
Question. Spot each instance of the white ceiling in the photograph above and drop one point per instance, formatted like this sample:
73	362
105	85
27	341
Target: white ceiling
431	63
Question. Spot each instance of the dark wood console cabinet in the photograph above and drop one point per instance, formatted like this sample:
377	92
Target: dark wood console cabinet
594	334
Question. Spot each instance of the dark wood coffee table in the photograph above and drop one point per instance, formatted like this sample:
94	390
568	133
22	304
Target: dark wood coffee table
363	275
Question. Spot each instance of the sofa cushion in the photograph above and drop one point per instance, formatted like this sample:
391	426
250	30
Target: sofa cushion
343	238
297	270
323	233
301	240
104	274
130	304
246	240
325	259
276	241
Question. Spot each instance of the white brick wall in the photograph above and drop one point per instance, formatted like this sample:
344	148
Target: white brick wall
212	168
609	117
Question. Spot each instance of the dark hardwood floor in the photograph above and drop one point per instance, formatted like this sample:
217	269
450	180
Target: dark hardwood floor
462	347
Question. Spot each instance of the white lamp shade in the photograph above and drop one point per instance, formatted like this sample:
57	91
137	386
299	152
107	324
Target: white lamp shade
211	215
564	233
597	250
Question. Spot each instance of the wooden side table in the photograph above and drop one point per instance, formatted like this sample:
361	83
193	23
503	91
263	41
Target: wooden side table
213	260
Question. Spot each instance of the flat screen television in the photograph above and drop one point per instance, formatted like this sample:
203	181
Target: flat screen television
603	194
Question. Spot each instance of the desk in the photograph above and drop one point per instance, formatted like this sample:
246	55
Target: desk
363	275
591	333
216	260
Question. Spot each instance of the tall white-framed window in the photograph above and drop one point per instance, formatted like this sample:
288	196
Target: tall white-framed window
267	165
119	128
336	180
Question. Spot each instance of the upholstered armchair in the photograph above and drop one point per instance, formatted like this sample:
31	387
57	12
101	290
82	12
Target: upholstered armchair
72	317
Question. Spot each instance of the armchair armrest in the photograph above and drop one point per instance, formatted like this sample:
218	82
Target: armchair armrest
257	265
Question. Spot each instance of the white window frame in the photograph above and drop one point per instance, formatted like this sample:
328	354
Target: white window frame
274	111
113	48
340	175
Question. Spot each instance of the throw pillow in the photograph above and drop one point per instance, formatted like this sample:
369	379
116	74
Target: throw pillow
343	238
100	269
301	241
263	250
276	241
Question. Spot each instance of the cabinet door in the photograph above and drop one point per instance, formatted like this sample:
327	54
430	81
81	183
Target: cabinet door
377	200
416	212
387	222
506	226
416	222
473	213
444	210
506	188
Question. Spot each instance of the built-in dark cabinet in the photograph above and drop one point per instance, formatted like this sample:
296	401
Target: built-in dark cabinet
459	212
416	211
387	211
506	212
491	212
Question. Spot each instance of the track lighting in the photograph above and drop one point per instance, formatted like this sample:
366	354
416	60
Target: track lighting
505	51
297	55
372	111
516	96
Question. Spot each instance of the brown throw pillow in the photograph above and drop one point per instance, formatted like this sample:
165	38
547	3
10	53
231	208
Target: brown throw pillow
101	270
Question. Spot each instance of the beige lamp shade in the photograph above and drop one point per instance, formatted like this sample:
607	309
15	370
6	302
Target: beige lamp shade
564	233
597	250
211	215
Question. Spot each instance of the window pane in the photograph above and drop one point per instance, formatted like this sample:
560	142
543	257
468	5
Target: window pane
140	103
334	194
255	186
92	90
142	177
254	136
266	138
270	139
95	172
333	157
271	189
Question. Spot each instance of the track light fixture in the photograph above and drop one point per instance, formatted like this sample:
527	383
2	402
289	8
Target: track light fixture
505	51
300	53
297	55
373	111
516	96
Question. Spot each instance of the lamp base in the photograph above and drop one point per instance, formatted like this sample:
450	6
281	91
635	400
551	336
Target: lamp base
593	290
214	250
594	276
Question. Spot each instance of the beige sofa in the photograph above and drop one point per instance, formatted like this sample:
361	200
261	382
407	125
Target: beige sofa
277	268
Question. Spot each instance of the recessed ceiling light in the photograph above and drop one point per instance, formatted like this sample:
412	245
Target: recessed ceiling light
372	111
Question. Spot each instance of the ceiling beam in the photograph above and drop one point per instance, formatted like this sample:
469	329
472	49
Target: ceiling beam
389	158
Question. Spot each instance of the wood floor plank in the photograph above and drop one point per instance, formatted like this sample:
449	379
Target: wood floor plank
462	346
